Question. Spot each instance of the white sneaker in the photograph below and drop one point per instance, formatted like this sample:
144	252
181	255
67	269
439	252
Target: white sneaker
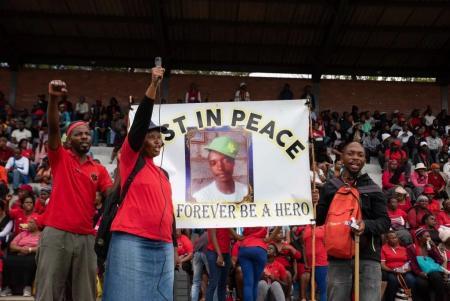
27	291
6	292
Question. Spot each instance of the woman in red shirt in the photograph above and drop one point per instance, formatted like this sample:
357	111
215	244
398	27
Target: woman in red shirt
416	213
218	255
394	261
443	218
398	220
437	180
287	256
140	263
274	277
185	251
393	176
253	257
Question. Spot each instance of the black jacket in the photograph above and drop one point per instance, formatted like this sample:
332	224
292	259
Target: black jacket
374	214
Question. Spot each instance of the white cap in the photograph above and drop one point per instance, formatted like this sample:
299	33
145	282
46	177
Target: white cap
401	190
396	111
444	233
420	166
423	143
242	84
385	136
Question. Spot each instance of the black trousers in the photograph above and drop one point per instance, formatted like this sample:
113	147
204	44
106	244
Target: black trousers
19	271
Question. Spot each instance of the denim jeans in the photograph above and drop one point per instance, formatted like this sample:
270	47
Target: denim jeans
321	280
18	178
198	262
138	269
252	261
340	280
218	276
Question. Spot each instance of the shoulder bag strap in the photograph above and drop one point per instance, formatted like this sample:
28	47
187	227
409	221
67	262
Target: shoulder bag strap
137	167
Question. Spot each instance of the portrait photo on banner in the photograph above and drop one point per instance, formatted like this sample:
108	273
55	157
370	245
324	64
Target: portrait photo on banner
219	165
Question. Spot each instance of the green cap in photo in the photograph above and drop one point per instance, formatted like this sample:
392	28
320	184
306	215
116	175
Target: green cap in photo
224	145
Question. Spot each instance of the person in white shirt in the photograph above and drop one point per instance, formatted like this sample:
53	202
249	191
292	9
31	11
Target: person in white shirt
222	154
429	118
20	133
18	166
405	134
434	144
242	94
81	108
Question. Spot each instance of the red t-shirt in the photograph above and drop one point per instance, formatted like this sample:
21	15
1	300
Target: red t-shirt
443	219
321	252
254	237
436	180
275	269
184	245
20	220
285	256
223	238
405	206
393	257
72	207
398	155
398	217
147	209
39	208
5	154
27	153
435	207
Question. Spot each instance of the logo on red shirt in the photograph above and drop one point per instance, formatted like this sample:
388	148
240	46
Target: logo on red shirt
94	177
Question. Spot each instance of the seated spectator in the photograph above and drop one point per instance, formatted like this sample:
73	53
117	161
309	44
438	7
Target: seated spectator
5	151
394	262
44	173
443	156
403	198
444	246
270	287
416	213
423	155
405	134
419	178
433	204
6	226
384	146
371	144
81	108
398	220
434	144
18	169
429	277
437	180
20	215
287	256
414	141
43	199
20	264
101	130
41	151
64	117
112	108
396	153
117	124
242	94
20	133
393	176
286	93
193	94
430	224
185	252
24	191
443	217
4	188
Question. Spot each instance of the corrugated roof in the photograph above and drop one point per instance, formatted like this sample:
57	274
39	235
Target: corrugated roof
404	37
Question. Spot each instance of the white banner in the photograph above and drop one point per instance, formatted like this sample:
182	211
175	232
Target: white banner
237	164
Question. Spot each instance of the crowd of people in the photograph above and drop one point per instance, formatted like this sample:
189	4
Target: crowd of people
405	226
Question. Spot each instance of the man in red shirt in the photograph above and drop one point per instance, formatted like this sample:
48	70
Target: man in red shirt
66	261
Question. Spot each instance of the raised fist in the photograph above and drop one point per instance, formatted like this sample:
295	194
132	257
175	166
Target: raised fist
157	75
57	88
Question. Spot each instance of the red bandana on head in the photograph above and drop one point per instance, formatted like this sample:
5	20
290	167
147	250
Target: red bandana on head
73	126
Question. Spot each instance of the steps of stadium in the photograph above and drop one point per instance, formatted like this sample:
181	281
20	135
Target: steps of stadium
103	153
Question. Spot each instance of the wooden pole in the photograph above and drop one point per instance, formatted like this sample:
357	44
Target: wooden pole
356	276
313	259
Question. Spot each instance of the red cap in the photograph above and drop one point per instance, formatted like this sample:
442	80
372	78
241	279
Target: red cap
397	142
26	187
428	190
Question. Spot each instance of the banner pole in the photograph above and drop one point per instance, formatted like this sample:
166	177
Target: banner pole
313	259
